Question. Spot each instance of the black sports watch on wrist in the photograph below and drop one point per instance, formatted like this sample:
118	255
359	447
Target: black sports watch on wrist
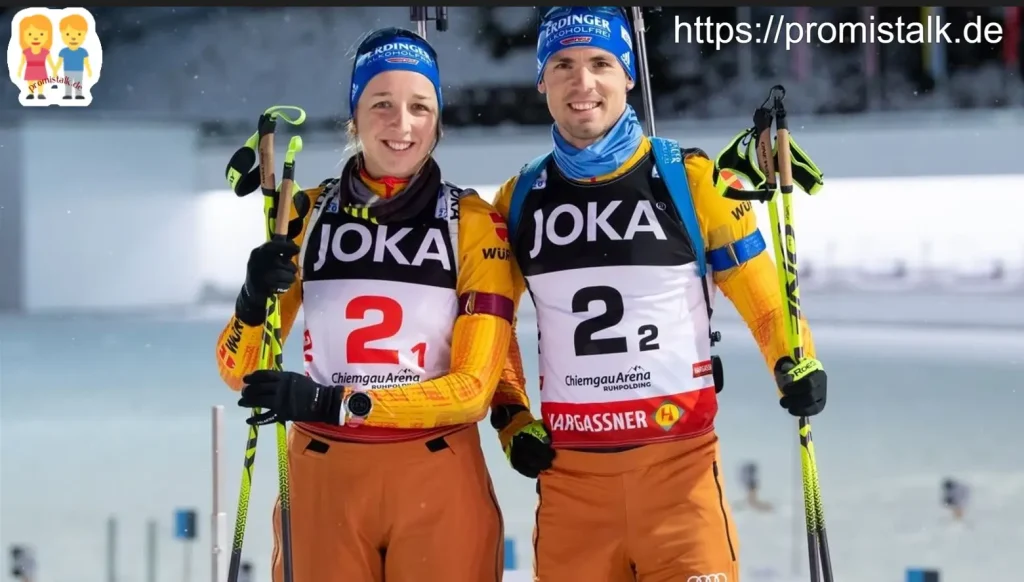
359	405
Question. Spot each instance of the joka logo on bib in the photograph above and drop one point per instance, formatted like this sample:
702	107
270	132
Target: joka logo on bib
54	57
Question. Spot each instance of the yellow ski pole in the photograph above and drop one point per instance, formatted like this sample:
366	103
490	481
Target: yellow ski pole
786	264
774	181
271	353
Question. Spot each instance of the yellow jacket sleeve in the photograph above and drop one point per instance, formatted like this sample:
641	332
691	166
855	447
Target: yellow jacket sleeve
752	286
238	346
482	330
511	389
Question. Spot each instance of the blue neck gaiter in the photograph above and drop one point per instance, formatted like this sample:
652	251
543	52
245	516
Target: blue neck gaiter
603	156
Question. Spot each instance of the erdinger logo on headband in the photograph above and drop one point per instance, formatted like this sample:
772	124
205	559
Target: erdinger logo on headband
397	50
577	25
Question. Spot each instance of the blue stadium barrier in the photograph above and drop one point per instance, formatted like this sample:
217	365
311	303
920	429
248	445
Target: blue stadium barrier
922	575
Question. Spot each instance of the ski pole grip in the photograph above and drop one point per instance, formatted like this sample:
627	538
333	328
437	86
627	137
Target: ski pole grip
785	155
284	199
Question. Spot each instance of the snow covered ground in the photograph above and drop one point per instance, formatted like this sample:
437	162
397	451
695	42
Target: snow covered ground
105	416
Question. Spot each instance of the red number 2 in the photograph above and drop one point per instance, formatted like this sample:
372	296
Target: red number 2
390	324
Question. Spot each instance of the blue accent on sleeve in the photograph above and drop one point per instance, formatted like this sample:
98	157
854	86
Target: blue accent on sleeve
737	253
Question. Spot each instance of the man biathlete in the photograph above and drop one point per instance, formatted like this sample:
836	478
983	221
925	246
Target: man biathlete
630	480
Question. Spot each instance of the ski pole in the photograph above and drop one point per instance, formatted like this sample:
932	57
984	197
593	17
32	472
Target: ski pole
271	349
817	537
784	245
642	68
234	175
273	346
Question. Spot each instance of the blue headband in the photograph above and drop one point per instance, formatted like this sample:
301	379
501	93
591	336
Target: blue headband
392	49
601	27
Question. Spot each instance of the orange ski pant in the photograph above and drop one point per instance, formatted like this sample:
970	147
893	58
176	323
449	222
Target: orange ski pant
656	513
414	511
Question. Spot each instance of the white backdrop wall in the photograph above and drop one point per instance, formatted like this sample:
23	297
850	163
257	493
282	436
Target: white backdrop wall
113	215
108	214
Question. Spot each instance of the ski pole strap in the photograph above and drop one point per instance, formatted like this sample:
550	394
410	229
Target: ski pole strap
277	111
737	162
806	174
294	147
242	172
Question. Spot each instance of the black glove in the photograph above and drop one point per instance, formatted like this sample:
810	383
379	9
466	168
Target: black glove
288	396
529	450
803	386
270	271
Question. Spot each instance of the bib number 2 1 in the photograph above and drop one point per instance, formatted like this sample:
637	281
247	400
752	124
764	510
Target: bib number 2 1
610	297
391	316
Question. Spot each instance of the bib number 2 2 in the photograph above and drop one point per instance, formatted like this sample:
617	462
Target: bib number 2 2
391	315
583	339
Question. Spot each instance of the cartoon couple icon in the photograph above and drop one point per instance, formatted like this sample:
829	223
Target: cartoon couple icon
35	35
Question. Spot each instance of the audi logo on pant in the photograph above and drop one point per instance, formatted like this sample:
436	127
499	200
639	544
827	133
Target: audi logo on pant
708	578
